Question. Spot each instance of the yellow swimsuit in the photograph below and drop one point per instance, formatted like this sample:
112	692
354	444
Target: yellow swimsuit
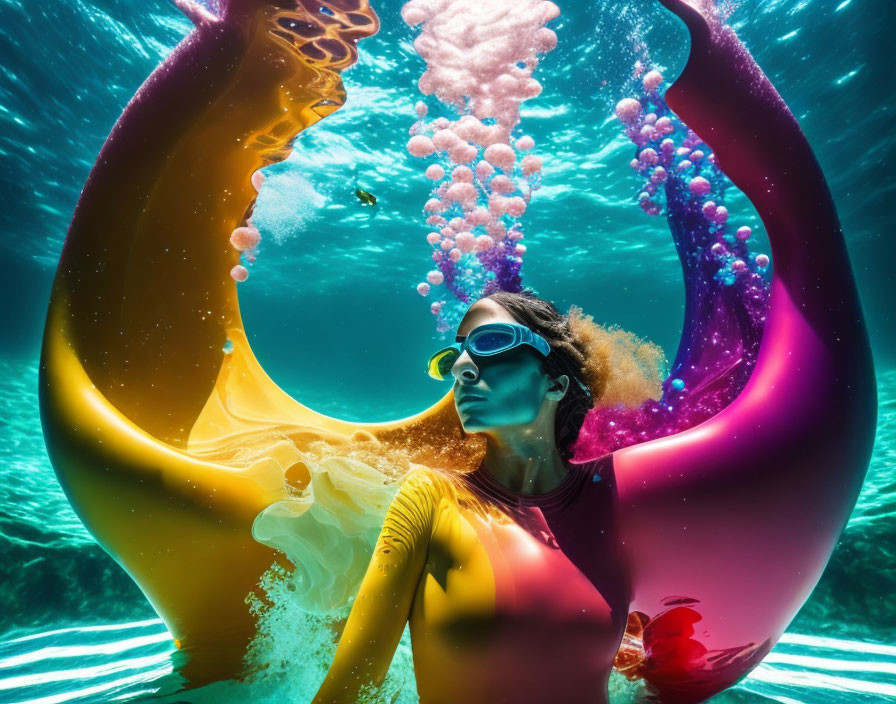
511	597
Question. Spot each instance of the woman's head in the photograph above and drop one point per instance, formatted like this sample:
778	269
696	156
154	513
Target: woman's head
517	386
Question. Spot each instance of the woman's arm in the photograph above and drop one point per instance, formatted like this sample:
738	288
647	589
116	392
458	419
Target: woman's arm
383	604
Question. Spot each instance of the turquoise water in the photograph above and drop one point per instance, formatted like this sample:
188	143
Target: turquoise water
73	627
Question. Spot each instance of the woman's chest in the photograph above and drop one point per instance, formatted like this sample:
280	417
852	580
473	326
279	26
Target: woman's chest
488	575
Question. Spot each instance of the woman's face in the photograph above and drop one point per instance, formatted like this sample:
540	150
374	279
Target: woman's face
505	389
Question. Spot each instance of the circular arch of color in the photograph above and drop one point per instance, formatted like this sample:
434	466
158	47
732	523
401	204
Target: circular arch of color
729	524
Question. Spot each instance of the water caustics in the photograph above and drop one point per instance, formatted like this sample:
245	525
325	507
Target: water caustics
173	444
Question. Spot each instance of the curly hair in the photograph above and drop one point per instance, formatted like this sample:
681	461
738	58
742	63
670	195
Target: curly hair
606	366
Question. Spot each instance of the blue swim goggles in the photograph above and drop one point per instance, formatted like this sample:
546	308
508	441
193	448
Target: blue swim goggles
484	341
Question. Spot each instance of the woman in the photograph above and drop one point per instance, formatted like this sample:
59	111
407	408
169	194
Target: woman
511	576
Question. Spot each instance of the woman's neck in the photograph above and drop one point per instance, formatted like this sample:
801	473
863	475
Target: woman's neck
525	459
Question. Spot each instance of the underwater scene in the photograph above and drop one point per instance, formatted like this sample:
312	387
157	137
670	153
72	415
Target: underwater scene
215	349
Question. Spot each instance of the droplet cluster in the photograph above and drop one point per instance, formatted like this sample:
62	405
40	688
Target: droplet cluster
245	239
480	58
671	156
726	285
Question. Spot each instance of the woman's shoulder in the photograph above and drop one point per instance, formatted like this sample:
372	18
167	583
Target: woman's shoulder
426	496
430	483
443	489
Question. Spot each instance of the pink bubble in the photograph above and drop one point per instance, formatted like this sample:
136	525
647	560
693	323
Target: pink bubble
743	233
531	89
544	40
435	172
649	207
456	224
664	125
721	214
463	153
683	151
413	15
426	83
444	140
463	174
461	192
435	277
468	128
436	220
650	118
257	179
519	250
652	80
478	216
244	238
484	170
239	273
423	289
433	237
448	232
635	164
530	164
502	184
709	209
659	175
684	165
718	249
550	12
465	241
648	132
516	207
648	157
497	205
440	123
496	230
454	254
484	243
436	308
762	261
434	205
500	155
484	108
699	186
504	84
525	143
628	110
696	155
668	146
739	265
421	109
447	244
420	146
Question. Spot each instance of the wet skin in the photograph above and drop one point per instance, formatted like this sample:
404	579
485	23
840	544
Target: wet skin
509	398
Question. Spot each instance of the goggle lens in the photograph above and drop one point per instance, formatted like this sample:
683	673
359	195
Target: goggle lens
441	363
491	341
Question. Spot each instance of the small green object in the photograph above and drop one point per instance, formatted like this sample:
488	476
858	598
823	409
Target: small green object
366	197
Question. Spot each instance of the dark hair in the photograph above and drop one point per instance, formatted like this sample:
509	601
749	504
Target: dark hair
568	356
